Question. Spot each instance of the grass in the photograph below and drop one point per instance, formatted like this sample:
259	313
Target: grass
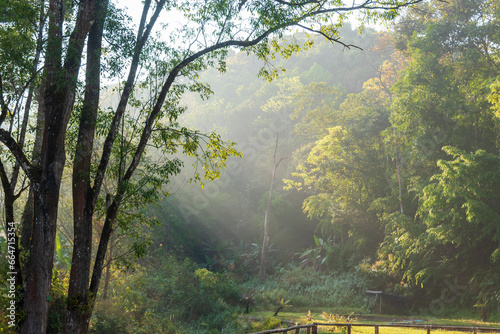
385	330
300	318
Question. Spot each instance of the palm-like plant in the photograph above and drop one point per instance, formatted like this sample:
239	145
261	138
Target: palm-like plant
317	257
247	299
282	303
309	316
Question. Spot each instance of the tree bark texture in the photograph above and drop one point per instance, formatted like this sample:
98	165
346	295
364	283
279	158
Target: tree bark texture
56	104
79	298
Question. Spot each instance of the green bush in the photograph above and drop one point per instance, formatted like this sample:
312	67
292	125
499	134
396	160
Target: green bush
153	322
268	323
107	319
57	302
181	294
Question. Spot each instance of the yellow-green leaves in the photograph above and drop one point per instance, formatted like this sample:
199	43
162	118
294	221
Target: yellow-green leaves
494	97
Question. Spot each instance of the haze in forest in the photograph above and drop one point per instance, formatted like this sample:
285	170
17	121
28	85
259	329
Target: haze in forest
369	165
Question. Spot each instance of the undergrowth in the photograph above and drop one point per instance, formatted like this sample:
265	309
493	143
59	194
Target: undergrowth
305	289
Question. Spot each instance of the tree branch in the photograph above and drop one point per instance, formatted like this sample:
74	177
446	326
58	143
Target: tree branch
367	5
108	143
289	3
331	39
5	182
3	105
230	43
31	171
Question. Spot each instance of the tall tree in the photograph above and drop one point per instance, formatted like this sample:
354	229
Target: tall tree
344	173
462	221
213	27
443	104
265	241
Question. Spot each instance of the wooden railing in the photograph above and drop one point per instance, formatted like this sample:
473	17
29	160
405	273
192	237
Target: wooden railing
310	329
313	328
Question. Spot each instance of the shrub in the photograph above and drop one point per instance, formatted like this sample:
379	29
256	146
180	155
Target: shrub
268	323
178	292
304	289
57	302
107	319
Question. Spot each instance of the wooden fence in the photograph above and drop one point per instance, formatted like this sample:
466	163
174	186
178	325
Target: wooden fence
313	328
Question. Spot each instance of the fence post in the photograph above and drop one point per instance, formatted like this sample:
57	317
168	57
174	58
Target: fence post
308	331
428	330
314	329
376	329
349	329
297	331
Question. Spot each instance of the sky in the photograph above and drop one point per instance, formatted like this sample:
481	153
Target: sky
175	19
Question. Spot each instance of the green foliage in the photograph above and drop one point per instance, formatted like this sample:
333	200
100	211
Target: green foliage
332	318
282	304
57	302
246	111
305	288
63	256
267	324
344	173
168	297
139	160
494	97
108	319
18	25
460	213
444	105
318	257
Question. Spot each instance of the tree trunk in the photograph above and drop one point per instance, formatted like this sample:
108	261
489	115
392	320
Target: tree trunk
107	275
40	263
265	242
79	299
11	226
27	226
399	174
27	218
399	187
56	103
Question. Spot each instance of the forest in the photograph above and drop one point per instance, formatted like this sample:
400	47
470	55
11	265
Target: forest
266	156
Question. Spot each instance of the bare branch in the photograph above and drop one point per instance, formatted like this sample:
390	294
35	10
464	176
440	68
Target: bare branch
289	3
223	26
369	5
331	39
